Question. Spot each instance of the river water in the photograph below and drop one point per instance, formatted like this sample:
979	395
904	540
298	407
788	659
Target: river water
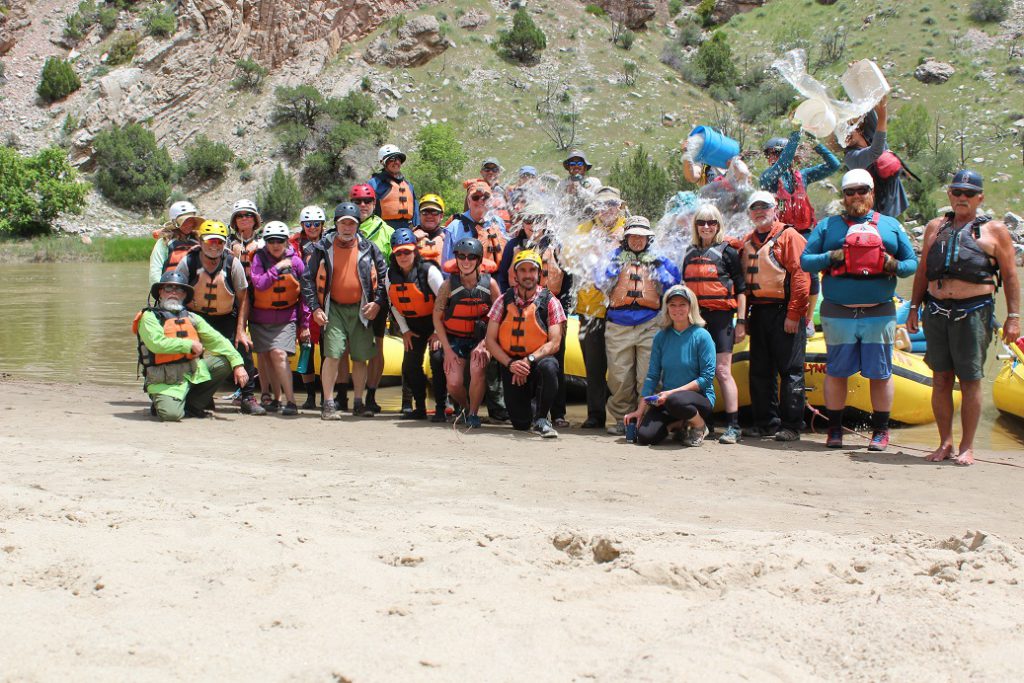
71	322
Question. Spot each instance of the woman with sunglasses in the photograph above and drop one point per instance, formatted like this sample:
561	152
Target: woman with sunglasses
311	228
713	271
478	223
413	284
279	313
868	149
244	240
175	239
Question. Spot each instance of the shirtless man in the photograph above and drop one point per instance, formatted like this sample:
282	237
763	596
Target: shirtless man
963	256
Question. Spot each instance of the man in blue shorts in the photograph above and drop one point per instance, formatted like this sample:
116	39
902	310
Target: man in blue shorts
861	253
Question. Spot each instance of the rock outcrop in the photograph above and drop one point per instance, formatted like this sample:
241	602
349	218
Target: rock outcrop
417	42
934	72
727	9
12	20
633	13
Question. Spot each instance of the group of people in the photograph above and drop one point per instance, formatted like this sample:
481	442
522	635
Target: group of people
484	298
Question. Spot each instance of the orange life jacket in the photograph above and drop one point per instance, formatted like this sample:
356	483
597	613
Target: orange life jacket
244	251
493	241
704	272
524	330
284	293
177	250
396	205
551	274
176	326
431	246
467	308
410	294
636	286
765	275
213	292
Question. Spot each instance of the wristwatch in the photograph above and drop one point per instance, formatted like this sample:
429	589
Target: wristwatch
741	321
531	358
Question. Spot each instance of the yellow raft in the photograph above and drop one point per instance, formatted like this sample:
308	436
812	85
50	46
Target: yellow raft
1008	388
913	383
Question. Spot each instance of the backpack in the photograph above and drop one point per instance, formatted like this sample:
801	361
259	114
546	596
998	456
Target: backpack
863	251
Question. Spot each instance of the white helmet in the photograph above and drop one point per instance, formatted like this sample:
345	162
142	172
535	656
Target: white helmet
312	213
390	151
181	208
244	206
275	229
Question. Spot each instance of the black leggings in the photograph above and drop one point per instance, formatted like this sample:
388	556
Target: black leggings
413	376
682	405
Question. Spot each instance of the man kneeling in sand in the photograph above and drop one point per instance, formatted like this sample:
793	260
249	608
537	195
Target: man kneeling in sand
172	340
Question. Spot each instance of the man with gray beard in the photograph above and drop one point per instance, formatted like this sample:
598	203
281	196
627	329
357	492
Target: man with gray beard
172	341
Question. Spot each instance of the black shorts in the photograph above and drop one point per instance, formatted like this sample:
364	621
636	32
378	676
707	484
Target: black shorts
719	326
380	323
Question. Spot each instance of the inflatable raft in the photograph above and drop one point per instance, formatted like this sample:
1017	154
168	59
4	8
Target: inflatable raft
1008	387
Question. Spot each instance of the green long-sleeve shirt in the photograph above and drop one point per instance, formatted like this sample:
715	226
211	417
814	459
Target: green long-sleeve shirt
151	331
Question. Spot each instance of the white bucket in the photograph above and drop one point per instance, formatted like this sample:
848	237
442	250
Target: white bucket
816	117
864	81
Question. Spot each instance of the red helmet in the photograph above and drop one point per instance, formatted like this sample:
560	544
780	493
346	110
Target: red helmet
362	192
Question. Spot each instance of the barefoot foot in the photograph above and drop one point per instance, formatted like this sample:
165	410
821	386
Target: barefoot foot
966	457
941	453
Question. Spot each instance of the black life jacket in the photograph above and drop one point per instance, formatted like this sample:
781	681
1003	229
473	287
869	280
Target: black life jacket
955	254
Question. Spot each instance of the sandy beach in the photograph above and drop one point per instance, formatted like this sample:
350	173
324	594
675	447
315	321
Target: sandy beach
241	548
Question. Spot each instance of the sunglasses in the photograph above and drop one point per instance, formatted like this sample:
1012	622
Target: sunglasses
276	240
172	288
467	257
854	191
394	158
480	197
702	222
364	200
611	204
312	224
493	169
576	163
430	212
964	193
760	206
245	215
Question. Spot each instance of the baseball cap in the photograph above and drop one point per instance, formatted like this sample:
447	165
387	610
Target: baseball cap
856	178
967	180
490	161
762	196
527	170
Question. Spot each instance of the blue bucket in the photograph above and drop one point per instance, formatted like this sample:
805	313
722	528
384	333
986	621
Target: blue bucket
717	150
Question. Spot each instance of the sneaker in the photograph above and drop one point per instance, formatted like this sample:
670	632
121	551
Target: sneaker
561	423
834	438
787	434
273	407
195	412
289	410
879	440
544	428
310	403
730	435
361	410
760	432
329	411
439	415
417	414
251	407
473	422
617	429
592	423
341	401
695	436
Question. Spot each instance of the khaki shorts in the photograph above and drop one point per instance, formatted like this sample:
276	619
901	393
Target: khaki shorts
345	332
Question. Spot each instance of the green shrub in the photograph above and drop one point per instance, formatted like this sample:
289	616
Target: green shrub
280	199
300	104
626	39
107	18
79	22
132	170
160	21
714	58
121	49
630	70
35	190
769	100
596	10
349	120
249	75
909	130
293	140
675	7
525	41
690	33
704	11
436	164
58	80
205	160
645	185
990	10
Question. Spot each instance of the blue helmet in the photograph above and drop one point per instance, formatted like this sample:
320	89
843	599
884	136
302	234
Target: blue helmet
402	236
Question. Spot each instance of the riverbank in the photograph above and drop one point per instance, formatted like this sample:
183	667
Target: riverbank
321	551
65	248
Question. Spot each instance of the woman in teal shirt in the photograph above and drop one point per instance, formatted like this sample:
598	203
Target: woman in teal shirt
683	365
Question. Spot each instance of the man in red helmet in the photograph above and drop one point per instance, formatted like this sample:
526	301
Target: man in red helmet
377	231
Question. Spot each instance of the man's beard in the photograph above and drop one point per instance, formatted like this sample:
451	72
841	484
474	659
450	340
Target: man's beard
172	305
858	207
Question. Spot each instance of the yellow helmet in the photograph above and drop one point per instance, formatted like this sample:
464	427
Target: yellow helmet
526	255
213	228
432	199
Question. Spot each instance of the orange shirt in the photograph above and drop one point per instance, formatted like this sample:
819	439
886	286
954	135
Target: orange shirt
345	287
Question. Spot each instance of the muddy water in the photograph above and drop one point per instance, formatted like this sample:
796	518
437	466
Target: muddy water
71	323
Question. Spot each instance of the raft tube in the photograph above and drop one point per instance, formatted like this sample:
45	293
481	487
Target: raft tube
1008	387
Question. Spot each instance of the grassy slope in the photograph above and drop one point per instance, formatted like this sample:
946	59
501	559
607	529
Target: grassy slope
493	118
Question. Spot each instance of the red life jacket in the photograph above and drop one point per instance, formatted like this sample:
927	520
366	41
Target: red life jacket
863	251
705	274
795	208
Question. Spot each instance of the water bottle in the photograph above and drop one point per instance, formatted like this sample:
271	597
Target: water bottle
305	354
631	431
